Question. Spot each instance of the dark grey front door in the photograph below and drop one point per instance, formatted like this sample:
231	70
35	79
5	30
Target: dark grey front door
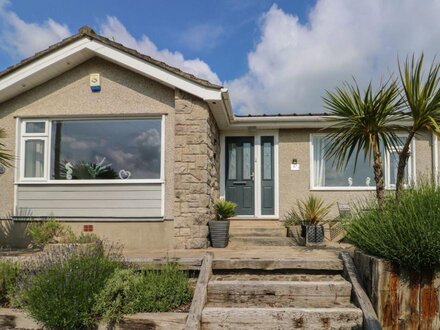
240	173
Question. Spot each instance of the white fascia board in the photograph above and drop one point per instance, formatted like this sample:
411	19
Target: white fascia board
275	122
154	72
42	63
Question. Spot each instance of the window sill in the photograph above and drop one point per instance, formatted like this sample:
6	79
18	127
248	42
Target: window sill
99	182
349	188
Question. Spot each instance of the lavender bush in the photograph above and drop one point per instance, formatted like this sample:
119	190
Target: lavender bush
58	289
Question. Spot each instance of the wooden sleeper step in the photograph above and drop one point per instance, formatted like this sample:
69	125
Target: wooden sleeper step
294	263
347	317
279	293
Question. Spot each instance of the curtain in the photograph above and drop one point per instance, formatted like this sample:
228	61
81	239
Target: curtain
34	159
318	161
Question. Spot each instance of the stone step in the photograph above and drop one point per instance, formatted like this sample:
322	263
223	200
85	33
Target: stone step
279	293
300	264
258	231
341	317
248	241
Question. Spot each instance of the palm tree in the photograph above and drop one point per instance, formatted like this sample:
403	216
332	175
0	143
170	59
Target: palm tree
421	96
363	122
5	157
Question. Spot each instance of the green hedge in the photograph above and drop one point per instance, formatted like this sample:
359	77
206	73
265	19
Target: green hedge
405	232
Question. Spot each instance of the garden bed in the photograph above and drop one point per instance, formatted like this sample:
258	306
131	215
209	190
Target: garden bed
54	289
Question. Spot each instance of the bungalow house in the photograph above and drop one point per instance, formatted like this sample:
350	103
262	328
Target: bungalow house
118	143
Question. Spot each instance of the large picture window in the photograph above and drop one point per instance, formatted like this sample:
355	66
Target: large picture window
325	174
101	149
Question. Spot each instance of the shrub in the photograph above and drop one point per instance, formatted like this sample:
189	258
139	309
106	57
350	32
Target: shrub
86	238
406	232
44	232
224	209
52	231
9	271
60	288
129	291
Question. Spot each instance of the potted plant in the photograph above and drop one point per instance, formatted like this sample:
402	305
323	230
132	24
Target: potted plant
310	213
219	228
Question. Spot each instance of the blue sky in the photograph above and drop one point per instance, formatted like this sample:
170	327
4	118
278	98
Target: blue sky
220	33
274	56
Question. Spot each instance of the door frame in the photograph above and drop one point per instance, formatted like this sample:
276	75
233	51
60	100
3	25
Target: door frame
257	168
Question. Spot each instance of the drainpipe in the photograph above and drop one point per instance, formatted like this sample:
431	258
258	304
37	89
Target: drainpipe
435	158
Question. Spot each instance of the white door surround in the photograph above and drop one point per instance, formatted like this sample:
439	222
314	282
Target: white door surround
257	159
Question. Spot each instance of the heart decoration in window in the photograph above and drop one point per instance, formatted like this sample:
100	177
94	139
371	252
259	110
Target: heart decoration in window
124	175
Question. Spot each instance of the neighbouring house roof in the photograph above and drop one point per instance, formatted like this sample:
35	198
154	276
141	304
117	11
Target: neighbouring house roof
88	32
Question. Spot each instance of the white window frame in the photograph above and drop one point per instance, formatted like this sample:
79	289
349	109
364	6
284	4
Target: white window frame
386	162
46	179
24	137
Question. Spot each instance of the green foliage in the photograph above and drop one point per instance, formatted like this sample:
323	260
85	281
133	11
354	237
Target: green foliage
312	210
60	291
129	291
406	231
44	232
52	231
82	170
5	156
421	95
9	271
86	238
224	209
363	123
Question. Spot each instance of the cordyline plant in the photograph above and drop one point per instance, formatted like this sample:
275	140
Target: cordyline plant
5	157
421	96
363	122
312	210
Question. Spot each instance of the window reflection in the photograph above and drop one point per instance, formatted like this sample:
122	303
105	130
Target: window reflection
106	149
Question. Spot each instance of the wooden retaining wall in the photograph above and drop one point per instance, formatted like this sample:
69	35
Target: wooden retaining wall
402	299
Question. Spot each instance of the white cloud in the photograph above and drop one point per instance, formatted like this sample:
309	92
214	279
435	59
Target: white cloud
22	39
202	37
293	64
114	29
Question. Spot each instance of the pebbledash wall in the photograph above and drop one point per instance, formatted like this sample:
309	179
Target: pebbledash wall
191	152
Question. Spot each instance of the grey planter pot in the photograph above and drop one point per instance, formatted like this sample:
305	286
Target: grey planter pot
219	232
315	233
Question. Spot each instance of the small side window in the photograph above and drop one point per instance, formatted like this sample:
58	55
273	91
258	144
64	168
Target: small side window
33	150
